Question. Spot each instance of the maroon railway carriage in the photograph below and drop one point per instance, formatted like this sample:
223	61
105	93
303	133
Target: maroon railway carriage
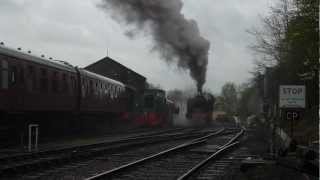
53	94
102	100
101	94
29	83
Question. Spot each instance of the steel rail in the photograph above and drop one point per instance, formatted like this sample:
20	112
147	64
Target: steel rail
230	144
60	155
111	172
233	139
204	162
209	135
86	146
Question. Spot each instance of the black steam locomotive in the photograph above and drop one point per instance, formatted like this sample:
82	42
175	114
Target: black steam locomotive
200	108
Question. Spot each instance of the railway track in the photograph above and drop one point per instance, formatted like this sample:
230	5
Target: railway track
223	165
179	162
21	166
102	139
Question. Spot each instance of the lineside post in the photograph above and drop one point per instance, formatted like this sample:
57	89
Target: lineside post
33	130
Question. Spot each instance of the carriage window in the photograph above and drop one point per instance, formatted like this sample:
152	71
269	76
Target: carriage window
43	80
105	90
55	84
108	88
22	75
0	74
117	91
111	91
73	84
84	87
101	89
4	76
31	78
65	87
91	87
13	75
88	86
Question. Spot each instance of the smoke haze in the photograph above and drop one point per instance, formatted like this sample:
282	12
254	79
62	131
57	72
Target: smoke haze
176	38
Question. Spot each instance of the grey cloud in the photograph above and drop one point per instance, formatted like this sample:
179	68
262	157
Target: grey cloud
176	38
78	32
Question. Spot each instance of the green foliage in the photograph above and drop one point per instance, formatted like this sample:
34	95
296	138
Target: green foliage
249	100
302	37
289	43
228	99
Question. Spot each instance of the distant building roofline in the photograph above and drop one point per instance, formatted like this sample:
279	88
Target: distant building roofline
107	58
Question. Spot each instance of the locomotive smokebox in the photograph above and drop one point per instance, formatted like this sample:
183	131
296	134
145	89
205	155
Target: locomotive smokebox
200	108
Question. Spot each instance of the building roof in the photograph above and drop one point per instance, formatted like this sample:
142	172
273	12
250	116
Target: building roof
107	60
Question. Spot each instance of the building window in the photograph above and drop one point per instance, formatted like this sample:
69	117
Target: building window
43	80
4	75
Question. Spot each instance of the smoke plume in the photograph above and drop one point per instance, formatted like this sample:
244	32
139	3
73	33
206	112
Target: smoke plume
176	38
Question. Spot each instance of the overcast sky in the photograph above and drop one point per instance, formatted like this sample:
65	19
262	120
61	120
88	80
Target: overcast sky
78	32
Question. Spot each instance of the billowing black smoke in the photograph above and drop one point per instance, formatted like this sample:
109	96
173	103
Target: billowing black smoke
175	38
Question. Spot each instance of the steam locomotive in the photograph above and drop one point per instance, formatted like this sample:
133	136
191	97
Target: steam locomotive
200	108
60	98
157	109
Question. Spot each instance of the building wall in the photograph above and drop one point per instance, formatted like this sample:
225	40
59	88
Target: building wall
114	70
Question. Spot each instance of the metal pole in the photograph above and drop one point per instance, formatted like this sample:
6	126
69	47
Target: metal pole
36	144
291	128
29	138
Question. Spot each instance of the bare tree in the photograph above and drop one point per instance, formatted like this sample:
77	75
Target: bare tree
270	45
